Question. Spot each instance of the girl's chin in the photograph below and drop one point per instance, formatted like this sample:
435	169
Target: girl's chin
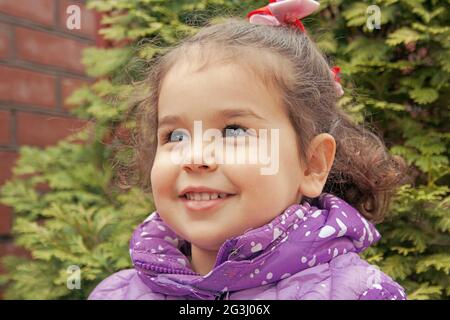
209	238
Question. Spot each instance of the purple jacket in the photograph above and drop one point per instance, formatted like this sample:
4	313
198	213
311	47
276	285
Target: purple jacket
307	252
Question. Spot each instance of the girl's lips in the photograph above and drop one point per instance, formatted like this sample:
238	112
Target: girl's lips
200	205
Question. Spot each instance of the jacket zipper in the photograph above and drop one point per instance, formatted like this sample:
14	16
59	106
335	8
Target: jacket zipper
220	296
169	270
220	255
159	269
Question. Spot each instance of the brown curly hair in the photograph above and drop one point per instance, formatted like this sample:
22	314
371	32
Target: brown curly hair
363	173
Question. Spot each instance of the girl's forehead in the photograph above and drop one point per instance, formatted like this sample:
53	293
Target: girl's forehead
256	65
217	86
225	74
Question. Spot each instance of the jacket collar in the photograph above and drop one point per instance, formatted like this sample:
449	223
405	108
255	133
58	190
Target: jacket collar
302	236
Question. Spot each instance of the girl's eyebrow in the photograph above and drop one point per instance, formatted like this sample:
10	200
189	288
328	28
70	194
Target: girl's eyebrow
224	113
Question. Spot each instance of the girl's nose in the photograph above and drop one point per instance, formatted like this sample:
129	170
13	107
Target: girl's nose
204	166
199	159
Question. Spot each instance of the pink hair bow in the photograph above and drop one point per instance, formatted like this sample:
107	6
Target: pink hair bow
290	12
283	12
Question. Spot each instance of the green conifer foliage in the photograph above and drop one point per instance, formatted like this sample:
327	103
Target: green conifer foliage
396	78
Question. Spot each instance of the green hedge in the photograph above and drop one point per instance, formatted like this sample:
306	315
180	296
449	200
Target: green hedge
395	77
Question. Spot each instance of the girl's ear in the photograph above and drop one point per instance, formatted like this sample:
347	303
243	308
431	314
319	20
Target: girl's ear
321	157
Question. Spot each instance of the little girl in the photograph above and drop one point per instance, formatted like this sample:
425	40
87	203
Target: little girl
225	230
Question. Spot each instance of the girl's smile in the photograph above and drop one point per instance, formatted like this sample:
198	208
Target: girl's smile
204	198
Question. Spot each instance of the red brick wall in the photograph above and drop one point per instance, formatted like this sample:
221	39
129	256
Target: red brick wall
40	65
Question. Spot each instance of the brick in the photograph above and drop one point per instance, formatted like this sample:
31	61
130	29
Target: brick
40	11
5	48
5	220
42	130
68	86
7	161
10	249
5	121
27	87
100	41
49	49
88	19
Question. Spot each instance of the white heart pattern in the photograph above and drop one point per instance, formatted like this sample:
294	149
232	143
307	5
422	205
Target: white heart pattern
173	241
326	231
299	213
256	248
342	226
276	233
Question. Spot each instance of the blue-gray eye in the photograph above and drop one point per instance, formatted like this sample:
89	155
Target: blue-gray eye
175	136
235	130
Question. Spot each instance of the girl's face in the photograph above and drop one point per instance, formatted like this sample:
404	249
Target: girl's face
188	96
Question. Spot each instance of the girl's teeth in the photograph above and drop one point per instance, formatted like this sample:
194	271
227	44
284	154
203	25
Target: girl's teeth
204	196
214	196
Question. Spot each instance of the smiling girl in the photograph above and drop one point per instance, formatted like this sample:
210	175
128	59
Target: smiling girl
224	230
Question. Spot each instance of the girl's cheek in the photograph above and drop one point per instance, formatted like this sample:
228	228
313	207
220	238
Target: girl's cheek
248	155
160	173
243	176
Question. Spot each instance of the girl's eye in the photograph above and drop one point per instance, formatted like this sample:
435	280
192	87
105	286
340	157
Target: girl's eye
232	130
235	130
175	136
